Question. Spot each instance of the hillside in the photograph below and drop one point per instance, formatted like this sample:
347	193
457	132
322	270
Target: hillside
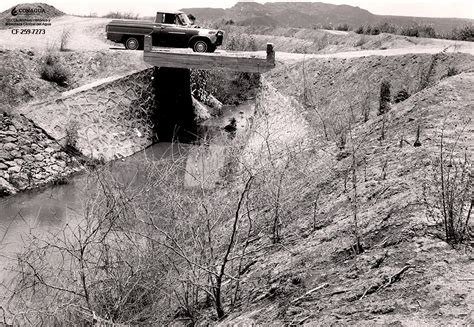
314	14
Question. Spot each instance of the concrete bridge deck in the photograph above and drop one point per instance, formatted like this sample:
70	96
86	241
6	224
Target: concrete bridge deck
235	61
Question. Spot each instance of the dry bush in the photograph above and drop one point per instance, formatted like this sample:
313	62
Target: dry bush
140	253
231	88
53	70
401	96
121	15
464	33
384	99
449	196
65	37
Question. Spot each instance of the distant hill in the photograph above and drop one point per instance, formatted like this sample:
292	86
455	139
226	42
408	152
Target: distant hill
313	14
47	12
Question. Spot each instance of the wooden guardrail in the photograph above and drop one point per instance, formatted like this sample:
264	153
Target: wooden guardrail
183	58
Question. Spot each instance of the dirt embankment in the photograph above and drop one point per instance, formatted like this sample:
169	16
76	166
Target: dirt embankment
21	80
407	275
300	40
338	88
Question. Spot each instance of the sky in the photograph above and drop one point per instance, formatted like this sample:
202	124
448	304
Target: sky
424	8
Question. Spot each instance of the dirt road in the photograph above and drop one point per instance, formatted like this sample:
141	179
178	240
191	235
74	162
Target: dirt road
88	34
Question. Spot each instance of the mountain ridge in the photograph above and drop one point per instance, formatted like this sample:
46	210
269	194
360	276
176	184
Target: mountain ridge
315	15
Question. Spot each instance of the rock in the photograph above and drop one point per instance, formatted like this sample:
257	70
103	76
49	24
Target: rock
14	169
39	157
16	154
9	163
56	168
9	139
40	176
49	150
6	188
29	158
3	166
9	146
9	132
5	156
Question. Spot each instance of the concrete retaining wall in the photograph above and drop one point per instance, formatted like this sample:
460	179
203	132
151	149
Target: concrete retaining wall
108	119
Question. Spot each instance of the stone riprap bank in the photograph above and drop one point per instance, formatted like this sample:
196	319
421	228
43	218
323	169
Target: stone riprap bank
107	119
29	157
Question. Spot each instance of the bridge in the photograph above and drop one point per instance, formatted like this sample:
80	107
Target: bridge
250	62
175	115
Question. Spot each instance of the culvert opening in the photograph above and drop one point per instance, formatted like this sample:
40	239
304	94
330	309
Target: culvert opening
191	105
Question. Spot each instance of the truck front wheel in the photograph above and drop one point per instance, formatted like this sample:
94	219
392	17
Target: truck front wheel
132	43
201	46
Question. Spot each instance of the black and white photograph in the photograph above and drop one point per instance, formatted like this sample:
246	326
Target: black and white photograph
236	163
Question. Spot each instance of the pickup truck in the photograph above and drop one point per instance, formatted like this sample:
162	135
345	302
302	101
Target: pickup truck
170	29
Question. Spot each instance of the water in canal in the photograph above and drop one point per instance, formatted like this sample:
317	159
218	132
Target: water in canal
46	209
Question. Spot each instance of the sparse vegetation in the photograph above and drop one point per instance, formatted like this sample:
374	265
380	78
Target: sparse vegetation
452	71
384	100
342	27
53	70
452	191
121	15
70	142
401	96
65	36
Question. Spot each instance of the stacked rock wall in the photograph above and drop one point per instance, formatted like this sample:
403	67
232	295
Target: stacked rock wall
29	157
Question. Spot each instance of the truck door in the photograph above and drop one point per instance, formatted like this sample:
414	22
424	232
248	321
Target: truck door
171	33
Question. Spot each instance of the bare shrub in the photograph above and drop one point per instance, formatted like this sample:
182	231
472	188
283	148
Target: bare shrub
341	133
359	30
464	33
401	96
452	71
426	74
53	70
384	99
72	135
451	189
365	106
342	27
64	41
121	15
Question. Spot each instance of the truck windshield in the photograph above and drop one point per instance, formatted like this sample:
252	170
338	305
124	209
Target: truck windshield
184	20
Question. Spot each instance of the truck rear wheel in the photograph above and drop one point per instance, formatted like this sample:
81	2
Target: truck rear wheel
132	43
201	46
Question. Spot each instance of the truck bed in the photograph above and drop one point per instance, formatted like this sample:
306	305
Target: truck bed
116	29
